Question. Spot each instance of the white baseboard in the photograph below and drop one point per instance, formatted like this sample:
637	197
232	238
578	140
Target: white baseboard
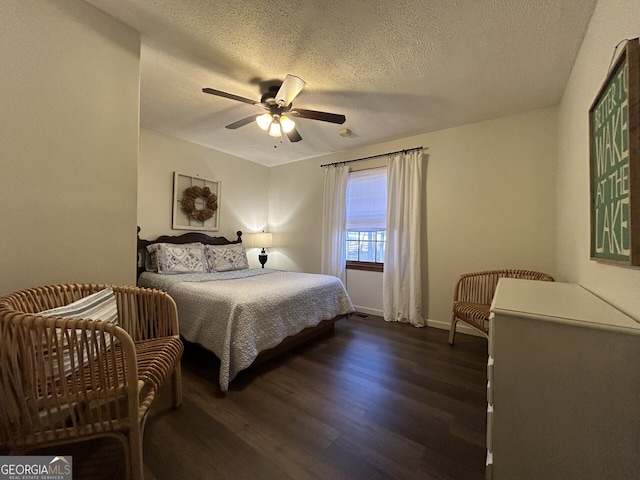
369	311
460	328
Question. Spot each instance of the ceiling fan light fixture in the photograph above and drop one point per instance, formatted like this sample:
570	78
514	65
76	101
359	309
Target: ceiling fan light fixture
277	101
264	121
287	124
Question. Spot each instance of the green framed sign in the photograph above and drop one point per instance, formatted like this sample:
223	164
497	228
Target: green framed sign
614	137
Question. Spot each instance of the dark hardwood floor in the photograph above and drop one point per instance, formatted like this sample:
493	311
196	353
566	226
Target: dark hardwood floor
376	400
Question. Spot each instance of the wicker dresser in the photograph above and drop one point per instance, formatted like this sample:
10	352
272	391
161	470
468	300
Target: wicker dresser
563	385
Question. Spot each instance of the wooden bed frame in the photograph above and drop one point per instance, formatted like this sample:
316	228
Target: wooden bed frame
324	327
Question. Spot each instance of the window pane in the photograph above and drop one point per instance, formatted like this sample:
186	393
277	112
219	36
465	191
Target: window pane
367	251
366	236
380	252
352	250
367	246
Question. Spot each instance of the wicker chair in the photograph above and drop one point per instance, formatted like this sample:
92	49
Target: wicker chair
473	295
116	370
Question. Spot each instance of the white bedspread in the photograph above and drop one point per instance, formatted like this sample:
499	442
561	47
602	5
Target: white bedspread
237	318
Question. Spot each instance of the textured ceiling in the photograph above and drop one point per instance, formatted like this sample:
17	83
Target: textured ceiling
394	68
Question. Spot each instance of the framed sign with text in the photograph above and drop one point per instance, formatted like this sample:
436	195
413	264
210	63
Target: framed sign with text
614	153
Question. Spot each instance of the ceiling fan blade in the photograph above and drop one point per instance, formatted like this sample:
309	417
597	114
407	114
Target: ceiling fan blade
243	122
293	135
289	90
230	96
322	116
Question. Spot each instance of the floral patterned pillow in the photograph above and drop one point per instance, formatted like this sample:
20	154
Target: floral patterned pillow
222	258
170	258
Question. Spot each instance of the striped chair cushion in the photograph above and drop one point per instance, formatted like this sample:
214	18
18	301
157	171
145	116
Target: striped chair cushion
98	306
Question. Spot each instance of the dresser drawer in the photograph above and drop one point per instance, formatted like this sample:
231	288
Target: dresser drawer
490	428
490	381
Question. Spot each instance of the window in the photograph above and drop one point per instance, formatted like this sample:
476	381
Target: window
366	219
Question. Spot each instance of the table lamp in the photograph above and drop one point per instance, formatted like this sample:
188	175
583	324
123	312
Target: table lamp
264	240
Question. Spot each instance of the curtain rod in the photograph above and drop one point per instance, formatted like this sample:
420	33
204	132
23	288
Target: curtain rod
372	156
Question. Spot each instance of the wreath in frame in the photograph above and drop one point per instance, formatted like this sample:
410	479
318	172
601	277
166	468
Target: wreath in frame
189	203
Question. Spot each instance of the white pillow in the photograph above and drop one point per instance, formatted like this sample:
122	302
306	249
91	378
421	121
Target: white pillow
98	306
171	258
222	258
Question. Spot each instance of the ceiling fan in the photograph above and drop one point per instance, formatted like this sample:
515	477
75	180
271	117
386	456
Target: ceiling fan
277	102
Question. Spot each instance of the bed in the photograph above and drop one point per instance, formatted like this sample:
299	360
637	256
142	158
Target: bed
243	315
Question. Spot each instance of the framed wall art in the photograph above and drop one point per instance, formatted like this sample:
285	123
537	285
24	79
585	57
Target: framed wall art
614	154
196	203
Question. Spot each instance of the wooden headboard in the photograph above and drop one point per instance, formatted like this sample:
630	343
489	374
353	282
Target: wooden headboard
189	237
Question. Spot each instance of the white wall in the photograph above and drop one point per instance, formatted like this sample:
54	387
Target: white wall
69	96
295	216
365	290
243	203
490	201
612	21
490	204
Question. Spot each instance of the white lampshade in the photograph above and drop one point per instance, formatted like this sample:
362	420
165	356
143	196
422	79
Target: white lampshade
264	121
263	240
275	130
287	124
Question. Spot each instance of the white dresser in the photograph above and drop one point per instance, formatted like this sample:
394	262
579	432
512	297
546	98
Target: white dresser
563	385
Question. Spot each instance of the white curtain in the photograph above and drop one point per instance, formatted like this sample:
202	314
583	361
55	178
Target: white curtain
401	280
334	250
